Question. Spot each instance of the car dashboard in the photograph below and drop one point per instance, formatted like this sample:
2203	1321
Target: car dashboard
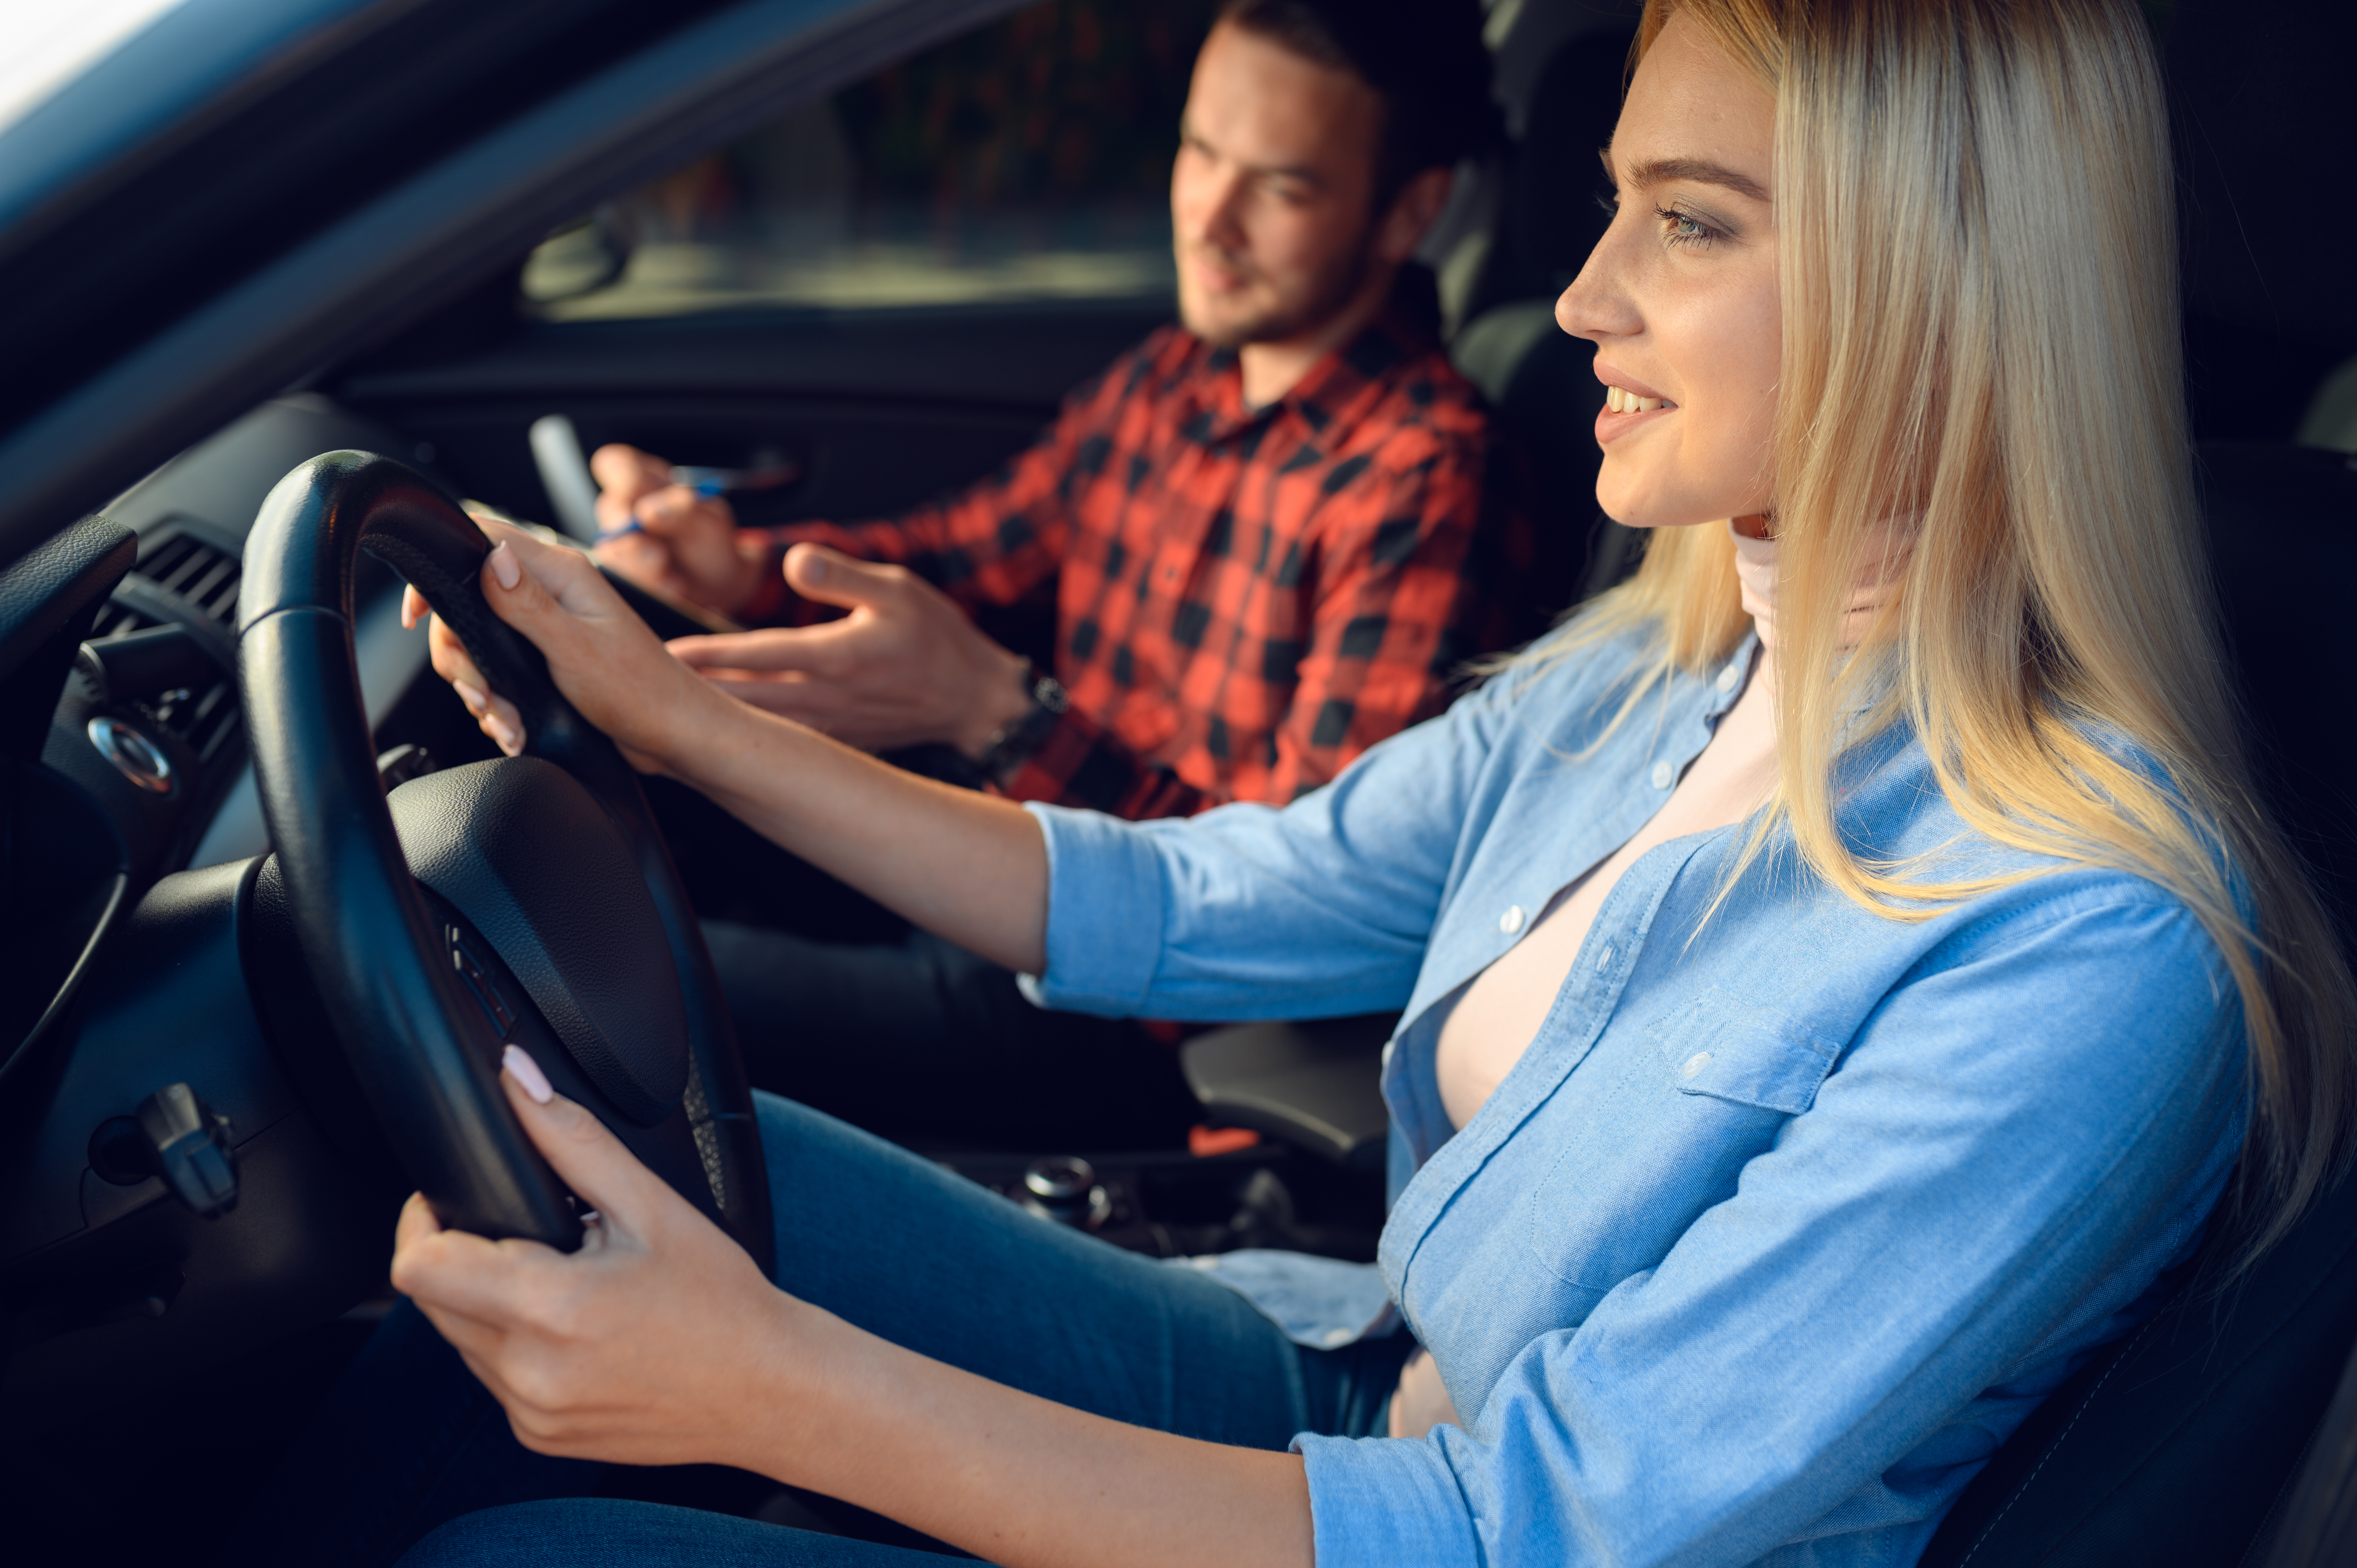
142	956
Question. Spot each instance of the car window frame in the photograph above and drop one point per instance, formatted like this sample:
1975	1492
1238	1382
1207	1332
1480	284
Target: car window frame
428	238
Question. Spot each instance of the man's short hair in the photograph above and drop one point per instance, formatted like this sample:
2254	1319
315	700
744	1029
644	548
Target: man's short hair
1424	57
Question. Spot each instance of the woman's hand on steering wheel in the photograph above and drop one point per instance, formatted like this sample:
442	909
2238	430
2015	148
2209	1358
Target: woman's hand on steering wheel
605	659
660	1342
638	1348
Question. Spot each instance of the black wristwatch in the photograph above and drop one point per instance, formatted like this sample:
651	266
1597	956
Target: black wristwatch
1014	745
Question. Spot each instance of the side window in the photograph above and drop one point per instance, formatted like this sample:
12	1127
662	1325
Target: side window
1029	159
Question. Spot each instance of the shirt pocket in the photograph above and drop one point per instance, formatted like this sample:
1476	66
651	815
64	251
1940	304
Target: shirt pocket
1722	1047
1681	1105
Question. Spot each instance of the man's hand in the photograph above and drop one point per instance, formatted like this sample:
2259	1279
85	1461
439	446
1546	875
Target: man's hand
685	544
905	668
646	1347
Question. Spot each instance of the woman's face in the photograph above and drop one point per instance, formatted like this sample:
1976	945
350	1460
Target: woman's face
1680	294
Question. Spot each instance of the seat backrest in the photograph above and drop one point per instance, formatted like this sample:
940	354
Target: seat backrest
2171	1445
1538	380
2266	306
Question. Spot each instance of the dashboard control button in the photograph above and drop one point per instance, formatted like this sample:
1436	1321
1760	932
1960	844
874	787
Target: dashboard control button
135	757
478	981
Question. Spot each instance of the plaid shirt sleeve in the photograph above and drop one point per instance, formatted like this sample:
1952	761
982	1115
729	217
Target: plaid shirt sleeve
1392	600
990	544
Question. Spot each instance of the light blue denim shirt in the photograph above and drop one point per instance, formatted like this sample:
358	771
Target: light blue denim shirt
1785	1219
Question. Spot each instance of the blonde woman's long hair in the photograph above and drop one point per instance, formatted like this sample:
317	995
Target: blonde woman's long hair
1976	248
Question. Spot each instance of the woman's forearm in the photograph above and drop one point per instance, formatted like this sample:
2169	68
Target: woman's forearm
1013	1478
968	866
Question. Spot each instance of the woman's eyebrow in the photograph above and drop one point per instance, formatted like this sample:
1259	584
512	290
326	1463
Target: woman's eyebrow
1661	171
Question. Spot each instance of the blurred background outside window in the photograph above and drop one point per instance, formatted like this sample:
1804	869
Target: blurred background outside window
1027	160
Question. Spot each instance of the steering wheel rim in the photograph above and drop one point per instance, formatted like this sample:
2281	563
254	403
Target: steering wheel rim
420	1049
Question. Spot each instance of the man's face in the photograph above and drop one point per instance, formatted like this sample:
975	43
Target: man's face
1271	196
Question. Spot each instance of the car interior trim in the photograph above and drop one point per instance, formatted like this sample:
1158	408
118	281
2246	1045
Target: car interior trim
445	230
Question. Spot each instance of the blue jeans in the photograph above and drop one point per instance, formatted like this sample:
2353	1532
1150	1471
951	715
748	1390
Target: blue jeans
412	1461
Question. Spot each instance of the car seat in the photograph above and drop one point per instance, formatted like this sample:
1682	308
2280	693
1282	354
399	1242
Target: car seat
2260	97
1314	1084
1537	378
2175	1445
2331	417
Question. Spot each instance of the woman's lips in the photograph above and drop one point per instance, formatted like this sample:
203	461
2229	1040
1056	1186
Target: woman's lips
1628	402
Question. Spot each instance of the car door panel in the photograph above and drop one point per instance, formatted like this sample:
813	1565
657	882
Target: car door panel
882	410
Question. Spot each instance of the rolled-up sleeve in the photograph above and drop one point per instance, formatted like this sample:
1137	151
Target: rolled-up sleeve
1105	906
1321	908
1385	1500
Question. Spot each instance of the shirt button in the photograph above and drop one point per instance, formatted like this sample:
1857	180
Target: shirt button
1663	774
1512	921
1728	677
1604	959
1336	1337
1695	1064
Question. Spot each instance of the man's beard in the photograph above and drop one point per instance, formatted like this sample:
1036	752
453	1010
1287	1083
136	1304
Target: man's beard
1327	295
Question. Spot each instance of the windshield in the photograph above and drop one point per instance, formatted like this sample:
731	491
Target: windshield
43	47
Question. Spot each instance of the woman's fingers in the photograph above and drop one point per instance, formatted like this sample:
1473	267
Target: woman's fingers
607	1177
494	714
543	590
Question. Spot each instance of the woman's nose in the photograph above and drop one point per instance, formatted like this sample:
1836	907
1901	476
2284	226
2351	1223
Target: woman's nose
1597	305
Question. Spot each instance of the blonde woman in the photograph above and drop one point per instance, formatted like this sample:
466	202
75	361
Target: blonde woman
1842	969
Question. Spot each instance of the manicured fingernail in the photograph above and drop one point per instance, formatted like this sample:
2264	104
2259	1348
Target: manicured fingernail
526	1071
504	568
814	569
467	694
504	733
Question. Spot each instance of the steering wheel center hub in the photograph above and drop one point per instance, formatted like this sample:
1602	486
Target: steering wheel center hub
528	856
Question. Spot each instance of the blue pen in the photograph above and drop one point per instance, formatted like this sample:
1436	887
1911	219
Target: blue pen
710	482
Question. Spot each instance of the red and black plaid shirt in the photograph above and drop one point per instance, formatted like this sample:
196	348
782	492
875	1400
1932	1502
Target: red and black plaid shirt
1247	598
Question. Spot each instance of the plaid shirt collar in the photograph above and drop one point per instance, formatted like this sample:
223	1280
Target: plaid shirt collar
1340	388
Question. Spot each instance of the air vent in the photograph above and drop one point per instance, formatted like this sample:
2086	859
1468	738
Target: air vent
197	578
202	574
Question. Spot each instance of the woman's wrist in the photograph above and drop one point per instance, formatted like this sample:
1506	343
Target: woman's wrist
686	729
805	1394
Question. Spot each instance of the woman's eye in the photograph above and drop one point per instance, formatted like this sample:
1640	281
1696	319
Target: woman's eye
1684	228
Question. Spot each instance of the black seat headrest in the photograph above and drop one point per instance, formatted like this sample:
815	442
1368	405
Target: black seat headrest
2282	523
1574	106
2250	87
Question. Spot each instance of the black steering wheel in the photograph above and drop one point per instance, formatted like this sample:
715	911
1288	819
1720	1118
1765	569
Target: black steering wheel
529	899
